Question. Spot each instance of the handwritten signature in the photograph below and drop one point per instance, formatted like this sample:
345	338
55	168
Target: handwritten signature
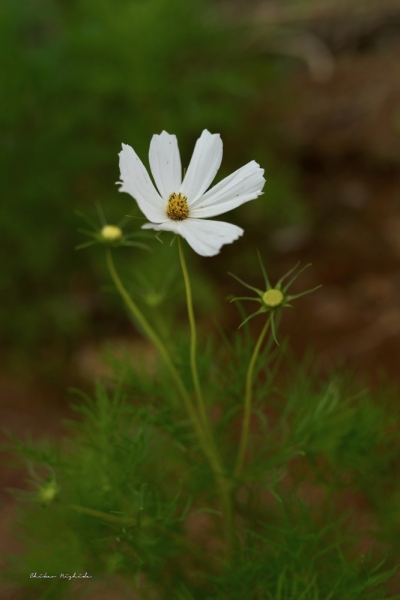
60	576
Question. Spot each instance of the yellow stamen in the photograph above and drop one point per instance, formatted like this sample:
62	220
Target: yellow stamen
273	298
177	207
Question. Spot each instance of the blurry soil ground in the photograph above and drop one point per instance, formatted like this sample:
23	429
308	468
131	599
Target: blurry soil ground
345	138
343	134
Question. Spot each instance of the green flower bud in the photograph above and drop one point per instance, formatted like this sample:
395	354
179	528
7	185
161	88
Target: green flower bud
48	492
154	299
111	233
273	298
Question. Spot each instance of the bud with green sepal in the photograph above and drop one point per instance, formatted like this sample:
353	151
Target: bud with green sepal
47	491
274	297
109	234
153	296
271	299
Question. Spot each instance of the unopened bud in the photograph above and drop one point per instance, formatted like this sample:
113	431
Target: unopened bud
273	298
154	299
48	492
111	233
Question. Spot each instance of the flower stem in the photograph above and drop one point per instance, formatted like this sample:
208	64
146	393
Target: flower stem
248	401
99	514
193	340
204	438
152	335
223	483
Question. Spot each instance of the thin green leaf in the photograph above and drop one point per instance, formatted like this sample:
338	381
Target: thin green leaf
246	298
101	214
88	220
295	277
278	285
258	312
304	293
250	287
273	330
267	283
88	232
86	245
139	245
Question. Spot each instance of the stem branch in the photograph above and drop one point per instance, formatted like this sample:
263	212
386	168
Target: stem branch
152	335
204	438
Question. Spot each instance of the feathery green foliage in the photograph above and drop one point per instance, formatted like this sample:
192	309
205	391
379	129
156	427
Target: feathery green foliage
130	495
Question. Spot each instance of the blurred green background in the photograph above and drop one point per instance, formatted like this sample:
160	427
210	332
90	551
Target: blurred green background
309	89
77	79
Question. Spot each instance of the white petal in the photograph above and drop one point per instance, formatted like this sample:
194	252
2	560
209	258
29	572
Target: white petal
136	182
170	225
207	237
165	163
243	185
203	167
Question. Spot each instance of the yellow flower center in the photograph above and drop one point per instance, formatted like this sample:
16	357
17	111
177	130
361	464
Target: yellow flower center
111	233
177	207
273	298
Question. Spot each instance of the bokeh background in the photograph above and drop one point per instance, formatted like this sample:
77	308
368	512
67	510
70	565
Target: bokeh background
309	89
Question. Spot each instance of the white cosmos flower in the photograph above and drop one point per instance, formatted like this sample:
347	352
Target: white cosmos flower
182	206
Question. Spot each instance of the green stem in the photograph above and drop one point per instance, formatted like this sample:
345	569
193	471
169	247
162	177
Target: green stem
193	340
223	483
99	514
153	337
248	401
205	440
